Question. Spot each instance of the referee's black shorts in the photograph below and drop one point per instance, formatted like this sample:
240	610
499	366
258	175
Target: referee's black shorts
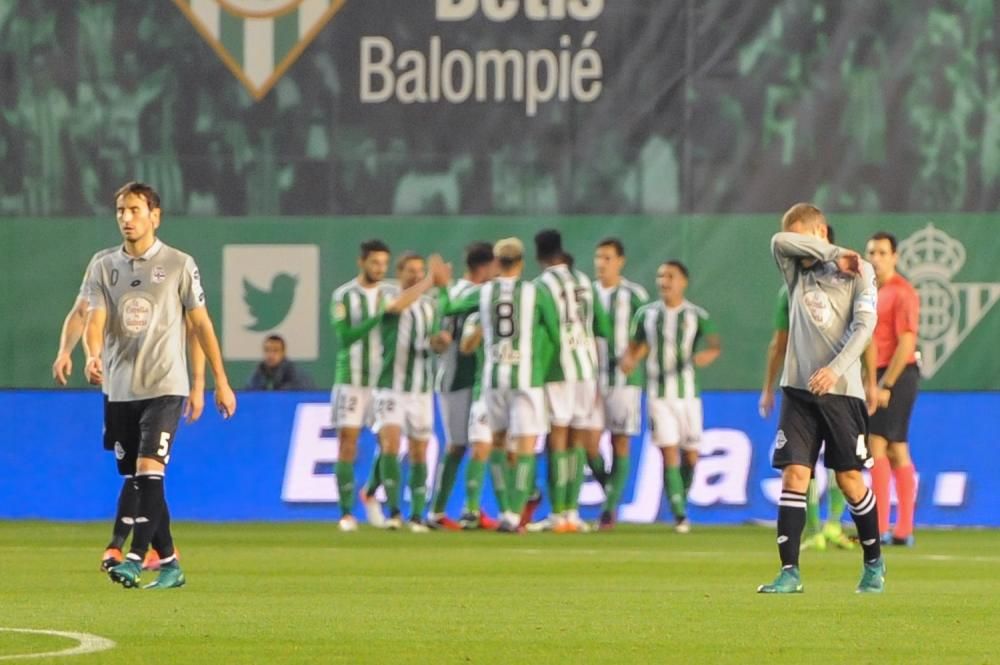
893	422
808	421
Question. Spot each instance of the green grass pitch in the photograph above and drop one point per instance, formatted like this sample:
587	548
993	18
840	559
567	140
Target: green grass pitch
304	593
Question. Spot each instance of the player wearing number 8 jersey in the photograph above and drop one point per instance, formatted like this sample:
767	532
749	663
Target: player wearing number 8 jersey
668	333
520	334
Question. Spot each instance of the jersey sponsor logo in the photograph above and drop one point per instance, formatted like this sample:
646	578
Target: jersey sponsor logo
257	48
818	305
949	311
270	289
136	314
159	274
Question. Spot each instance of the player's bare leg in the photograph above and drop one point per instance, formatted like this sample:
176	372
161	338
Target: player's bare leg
864	510
905	476
418	485
390	472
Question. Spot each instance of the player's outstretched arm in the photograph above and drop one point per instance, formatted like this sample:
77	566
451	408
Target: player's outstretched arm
347	334
472	337
71	333
438	274
195	403
225	398
711	352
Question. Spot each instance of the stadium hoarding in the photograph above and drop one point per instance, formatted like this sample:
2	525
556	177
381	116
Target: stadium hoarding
278	452
297	107
265	275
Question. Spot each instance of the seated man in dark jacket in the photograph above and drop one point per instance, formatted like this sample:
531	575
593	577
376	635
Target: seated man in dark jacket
277	372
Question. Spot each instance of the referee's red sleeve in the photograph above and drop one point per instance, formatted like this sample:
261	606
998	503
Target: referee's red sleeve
908	313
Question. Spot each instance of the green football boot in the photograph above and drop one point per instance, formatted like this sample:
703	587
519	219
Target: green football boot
834	535
814	542
873	577
171	577
127	573
787	581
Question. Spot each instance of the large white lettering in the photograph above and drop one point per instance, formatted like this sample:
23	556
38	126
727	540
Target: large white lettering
501	11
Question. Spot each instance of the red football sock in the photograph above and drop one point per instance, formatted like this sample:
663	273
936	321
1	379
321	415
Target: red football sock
906	495
880	485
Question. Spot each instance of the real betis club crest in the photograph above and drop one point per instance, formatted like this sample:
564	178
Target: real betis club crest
259	39
949	310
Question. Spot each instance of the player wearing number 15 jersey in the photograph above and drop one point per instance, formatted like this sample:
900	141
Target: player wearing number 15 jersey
520	335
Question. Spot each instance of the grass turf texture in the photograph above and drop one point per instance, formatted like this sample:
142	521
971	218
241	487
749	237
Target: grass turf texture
304	593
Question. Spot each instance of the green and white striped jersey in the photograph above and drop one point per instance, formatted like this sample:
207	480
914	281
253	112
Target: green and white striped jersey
577	308
456	371
407	361
520	331
671	334
621	302
468	329
356	313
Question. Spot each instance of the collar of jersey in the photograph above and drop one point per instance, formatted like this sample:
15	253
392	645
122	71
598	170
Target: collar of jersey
148	254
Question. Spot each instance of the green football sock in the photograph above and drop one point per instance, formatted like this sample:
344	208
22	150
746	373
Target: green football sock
418	490
675	490
838	502
474	474
812	509
345	486
616	483
596	464
498	472
577	458
392	476
558	478
687	477
521	487
447	473
374	475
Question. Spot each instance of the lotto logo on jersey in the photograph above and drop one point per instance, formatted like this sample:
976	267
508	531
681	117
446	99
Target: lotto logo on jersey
270	289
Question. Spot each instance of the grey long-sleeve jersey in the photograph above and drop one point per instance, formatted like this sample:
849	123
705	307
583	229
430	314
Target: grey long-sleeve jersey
832	315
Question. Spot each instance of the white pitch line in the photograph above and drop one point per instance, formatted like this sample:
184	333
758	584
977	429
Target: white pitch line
87	643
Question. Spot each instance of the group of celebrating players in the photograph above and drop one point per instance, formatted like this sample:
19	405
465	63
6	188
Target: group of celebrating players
560	356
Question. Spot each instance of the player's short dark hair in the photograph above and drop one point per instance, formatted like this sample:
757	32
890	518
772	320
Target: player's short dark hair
548	245
680	266
613	242
276	338
829	234
801	212
139	189
406	257
373	245
478	254
885	235
568	258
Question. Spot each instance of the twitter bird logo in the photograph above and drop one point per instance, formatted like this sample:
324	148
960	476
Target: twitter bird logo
269	308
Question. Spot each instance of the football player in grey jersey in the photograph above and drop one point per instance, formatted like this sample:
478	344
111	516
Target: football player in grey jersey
139	298
832	313
62	367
